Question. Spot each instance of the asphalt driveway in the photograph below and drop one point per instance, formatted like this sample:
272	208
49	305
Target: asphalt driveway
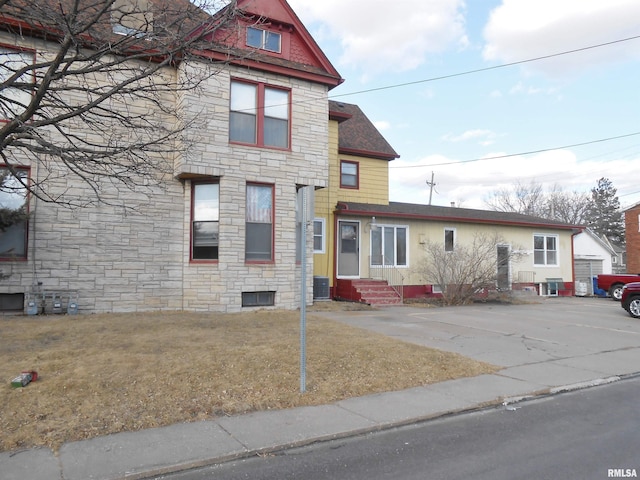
555	341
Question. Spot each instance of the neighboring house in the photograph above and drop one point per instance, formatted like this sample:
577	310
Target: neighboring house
619	259
360	235
632	236
592	255
221	232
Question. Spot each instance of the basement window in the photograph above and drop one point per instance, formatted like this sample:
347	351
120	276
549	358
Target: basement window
11	302
258	299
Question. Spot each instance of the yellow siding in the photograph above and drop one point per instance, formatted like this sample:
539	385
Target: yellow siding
518	238
373	179
325	202
373	189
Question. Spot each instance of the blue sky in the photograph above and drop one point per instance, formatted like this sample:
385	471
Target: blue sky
451	126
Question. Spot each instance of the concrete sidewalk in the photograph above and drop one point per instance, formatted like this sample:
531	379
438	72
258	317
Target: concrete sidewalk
156	451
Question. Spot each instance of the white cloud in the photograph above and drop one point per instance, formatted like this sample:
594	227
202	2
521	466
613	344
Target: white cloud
484	137
382	125
380	36
523	29
469	184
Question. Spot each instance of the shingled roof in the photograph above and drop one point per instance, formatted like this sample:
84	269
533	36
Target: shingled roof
357	135
411	211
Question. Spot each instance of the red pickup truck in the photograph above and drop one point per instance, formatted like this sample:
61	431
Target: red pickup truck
612	284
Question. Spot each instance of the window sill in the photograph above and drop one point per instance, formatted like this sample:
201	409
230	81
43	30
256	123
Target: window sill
256	145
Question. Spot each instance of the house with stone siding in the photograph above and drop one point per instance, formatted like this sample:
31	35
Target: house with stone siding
221	228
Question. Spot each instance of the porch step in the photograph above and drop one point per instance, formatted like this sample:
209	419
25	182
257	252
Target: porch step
373	292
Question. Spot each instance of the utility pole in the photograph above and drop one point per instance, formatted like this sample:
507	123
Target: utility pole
431	185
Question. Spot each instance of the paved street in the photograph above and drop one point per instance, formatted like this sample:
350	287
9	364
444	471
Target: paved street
582	435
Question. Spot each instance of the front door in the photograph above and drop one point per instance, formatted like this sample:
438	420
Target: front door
348	249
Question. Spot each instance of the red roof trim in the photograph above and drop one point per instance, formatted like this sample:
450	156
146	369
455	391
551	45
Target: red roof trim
366	153
271	68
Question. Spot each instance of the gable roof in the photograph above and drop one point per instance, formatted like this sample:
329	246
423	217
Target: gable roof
357	135
411	211
304	59
173	22
602	241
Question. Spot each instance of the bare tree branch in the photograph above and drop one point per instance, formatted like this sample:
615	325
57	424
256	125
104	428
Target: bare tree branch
92	90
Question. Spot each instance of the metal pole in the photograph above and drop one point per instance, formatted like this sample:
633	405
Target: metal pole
303	294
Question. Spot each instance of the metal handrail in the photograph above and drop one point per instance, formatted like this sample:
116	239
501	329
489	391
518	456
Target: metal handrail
384	269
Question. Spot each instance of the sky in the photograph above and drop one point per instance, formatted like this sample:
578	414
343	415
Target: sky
481	94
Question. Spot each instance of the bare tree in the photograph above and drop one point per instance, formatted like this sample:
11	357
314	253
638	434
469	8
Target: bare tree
531	199
465	271
525	199
568	207
92	91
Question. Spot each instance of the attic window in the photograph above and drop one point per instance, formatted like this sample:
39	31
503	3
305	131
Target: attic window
264	39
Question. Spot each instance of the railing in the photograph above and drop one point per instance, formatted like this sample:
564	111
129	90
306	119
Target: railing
381	268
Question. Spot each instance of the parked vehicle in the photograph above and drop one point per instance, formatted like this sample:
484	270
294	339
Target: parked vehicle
612	284
631	299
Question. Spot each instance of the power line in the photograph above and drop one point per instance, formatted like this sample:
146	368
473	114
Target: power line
485	69
531	152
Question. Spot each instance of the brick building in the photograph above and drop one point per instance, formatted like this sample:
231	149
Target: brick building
632	235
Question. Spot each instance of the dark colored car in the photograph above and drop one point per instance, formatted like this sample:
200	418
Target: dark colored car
631	299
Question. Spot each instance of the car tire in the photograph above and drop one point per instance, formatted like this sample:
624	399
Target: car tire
615	292
633	306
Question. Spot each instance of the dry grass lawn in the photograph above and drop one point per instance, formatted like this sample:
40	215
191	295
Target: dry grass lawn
101	374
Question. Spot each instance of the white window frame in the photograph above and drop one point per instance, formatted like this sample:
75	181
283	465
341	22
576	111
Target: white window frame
322	234
545	250
395	245
264	40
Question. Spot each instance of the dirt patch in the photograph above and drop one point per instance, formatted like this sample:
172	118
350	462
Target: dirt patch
102	374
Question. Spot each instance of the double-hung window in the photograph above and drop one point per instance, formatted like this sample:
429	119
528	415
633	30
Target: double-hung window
16	82
205	219
13	212
389	246
259	115
348	174
545	250
259	223
318	235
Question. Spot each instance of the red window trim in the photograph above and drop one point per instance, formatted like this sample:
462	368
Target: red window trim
26	169
260	114
18	48
272	261
357	185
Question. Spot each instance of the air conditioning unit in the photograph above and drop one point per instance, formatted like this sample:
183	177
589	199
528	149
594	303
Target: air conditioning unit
320	288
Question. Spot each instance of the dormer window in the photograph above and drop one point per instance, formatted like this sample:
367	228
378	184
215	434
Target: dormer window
264	40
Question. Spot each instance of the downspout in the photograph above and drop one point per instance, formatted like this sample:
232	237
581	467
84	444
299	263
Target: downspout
335	251
34	273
